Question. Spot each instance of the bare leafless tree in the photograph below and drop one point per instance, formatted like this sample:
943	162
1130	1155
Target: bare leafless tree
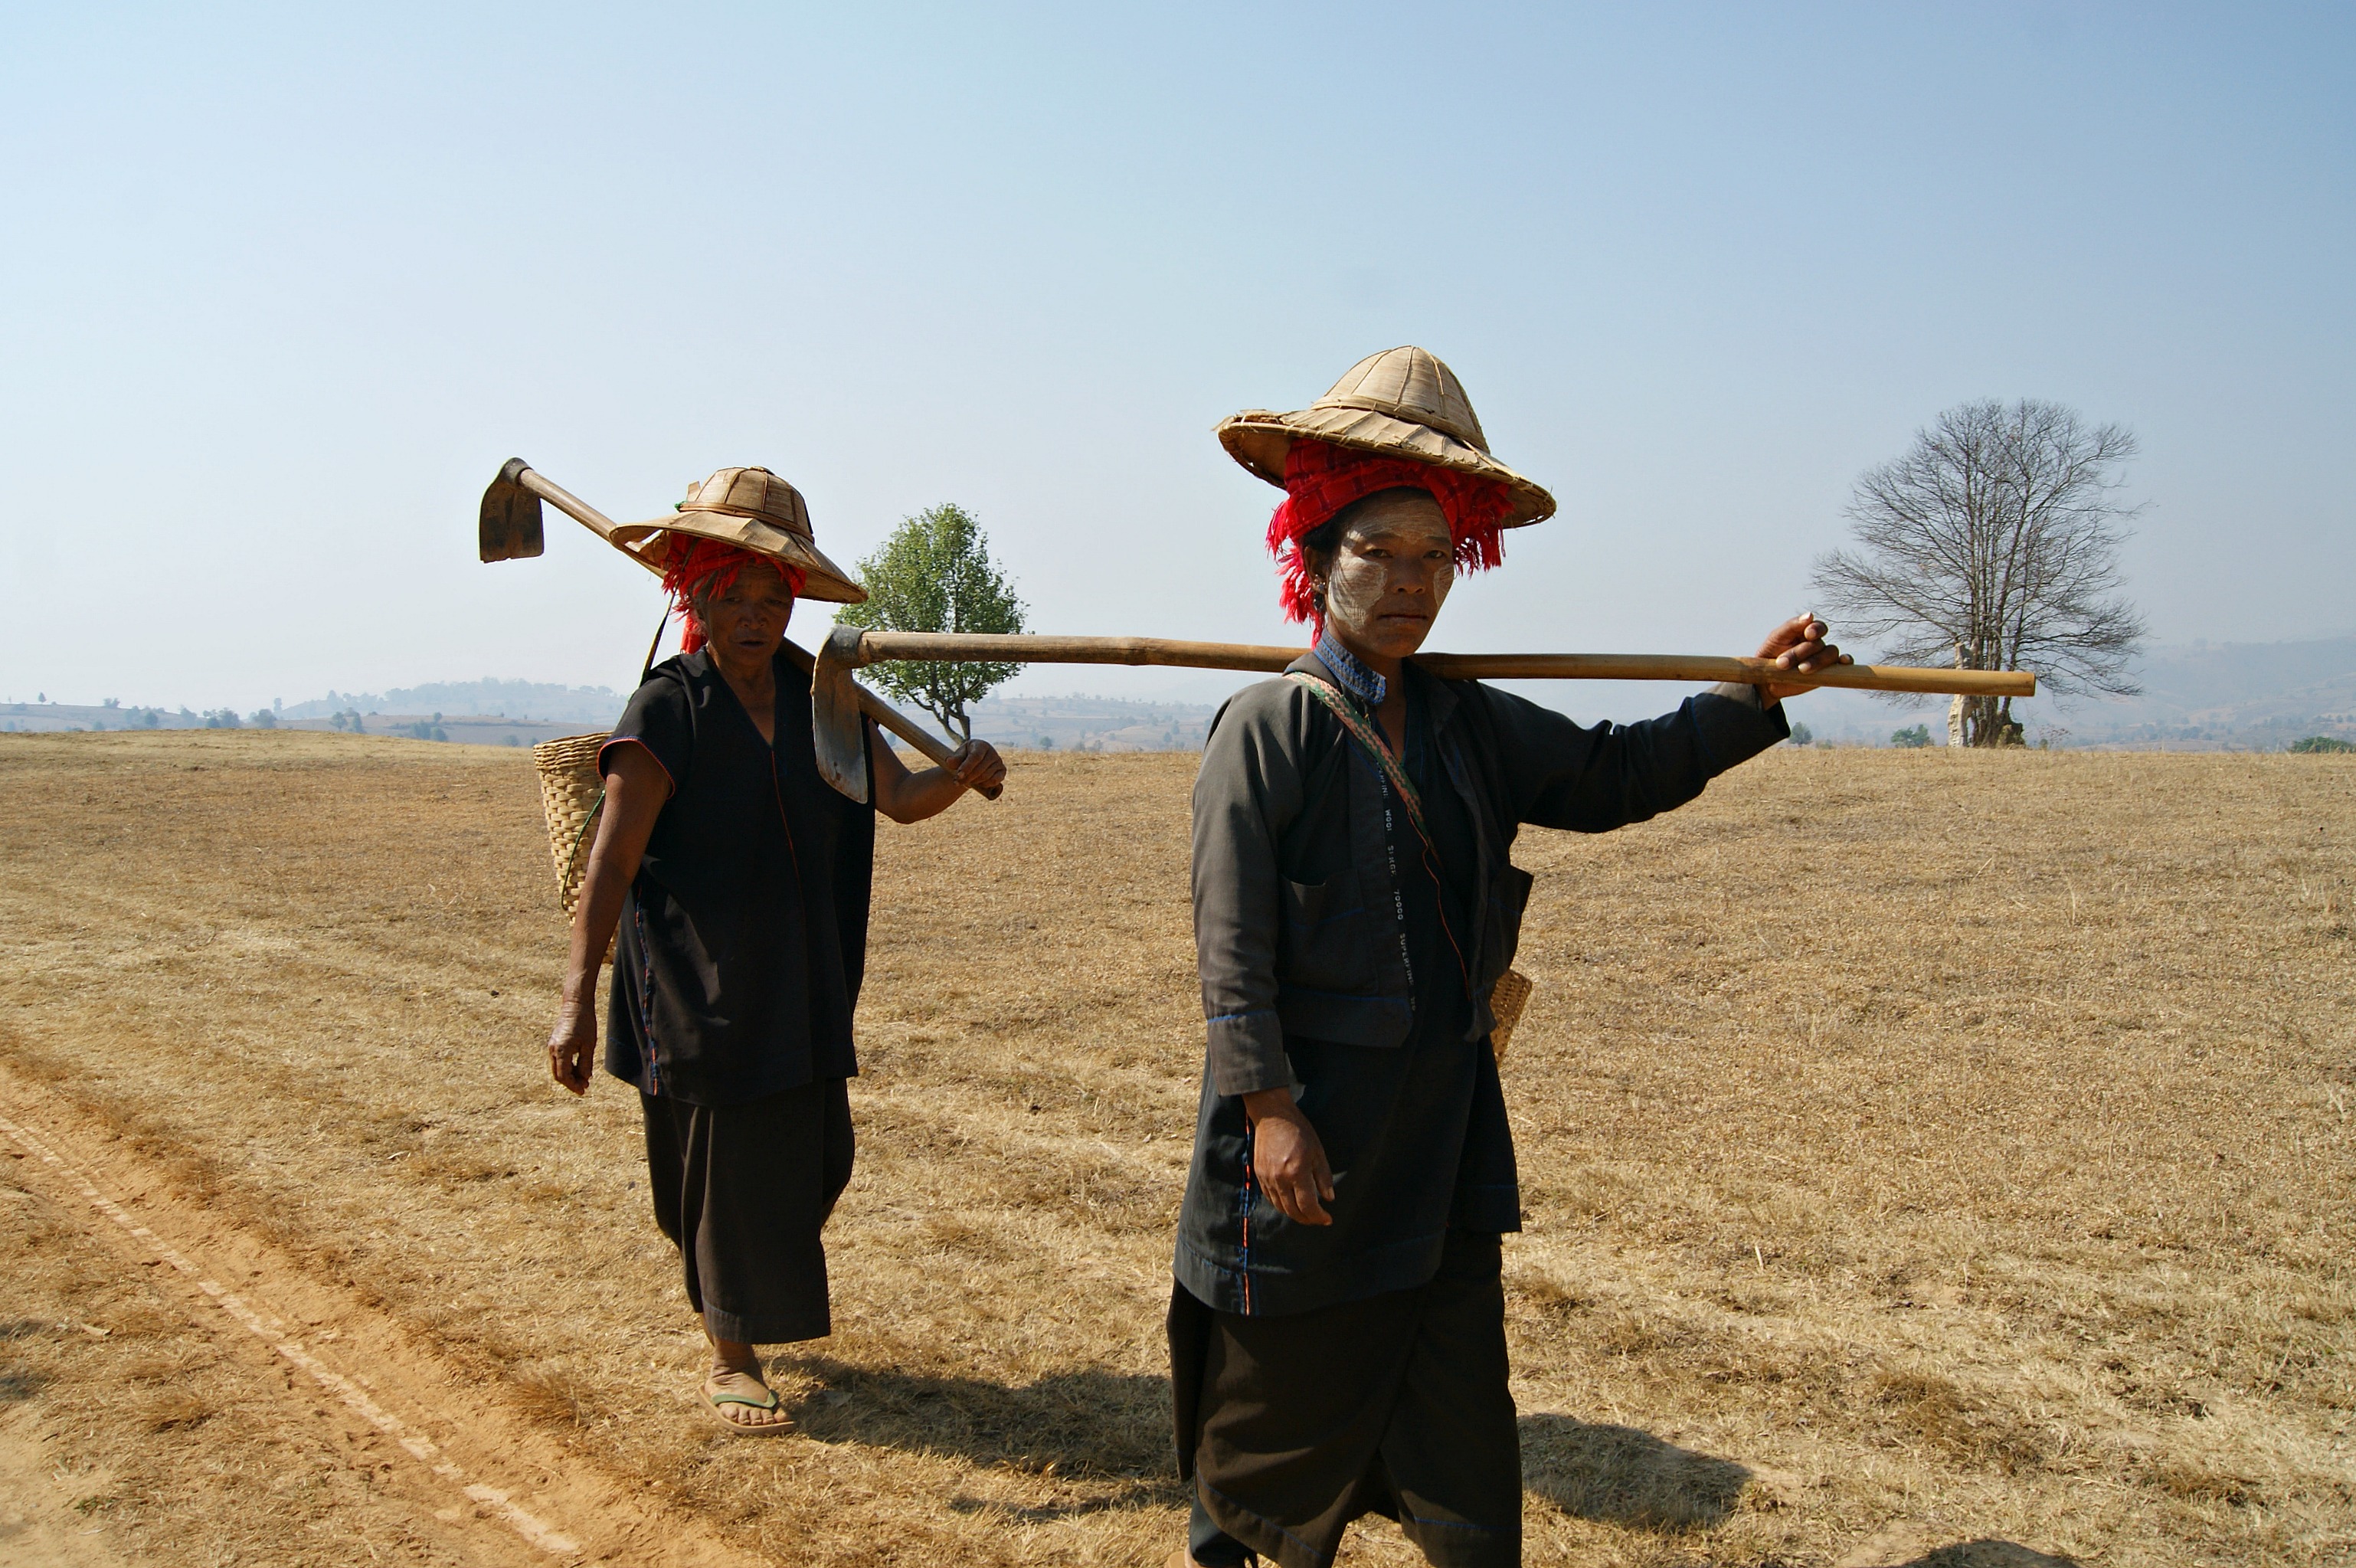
1994	541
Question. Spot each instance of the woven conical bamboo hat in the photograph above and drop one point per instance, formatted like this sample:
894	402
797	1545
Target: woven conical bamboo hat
1402	402
754	509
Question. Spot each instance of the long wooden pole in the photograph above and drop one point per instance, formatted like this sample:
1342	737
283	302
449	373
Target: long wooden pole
978	646
1707	666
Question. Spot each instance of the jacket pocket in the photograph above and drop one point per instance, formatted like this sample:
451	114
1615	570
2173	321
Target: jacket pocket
1501	928
1323	937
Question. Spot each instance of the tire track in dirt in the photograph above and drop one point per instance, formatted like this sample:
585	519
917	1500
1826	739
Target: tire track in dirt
467	1456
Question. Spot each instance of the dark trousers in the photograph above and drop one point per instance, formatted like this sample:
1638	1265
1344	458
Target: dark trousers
1397	1404
743	1191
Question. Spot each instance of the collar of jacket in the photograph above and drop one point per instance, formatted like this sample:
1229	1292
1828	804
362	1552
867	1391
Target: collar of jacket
1439	696
1353	676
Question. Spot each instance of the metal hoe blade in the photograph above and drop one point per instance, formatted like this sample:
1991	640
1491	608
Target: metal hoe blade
510	525
837	725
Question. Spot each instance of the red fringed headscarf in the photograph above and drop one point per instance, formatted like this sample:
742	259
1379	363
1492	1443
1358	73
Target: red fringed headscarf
700	567
1321	479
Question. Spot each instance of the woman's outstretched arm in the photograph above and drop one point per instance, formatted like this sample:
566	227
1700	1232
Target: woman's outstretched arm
906	797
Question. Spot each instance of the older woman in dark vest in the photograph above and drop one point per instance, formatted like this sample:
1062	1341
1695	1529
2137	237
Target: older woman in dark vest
739	880
1337	1329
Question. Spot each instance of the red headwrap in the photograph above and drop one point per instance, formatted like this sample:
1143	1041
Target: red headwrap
1321	479
702	567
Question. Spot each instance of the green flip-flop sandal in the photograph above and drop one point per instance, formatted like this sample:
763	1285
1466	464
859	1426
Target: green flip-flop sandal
713	1400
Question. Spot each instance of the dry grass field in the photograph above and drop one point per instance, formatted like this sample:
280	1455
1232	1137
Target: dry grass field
1930	1159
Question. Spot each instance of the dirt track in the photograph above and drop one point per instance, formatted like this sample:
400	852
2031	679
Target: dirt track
453	1473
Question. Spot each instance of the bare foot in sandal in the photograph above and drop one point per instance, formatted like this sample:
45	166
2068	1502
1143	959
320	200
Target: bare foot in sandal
736	1396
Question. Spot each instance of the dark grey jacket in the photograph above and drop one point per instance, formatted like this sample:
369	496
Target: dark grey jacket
1304	927
1298	924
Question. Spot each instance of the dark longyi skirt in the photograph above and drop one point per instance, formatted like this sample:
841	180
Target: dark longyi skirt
743	1191
1397	1404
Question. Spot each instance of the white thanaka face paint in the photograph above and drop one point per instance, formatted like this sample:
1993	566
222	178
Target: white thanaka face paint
1390	574
744	622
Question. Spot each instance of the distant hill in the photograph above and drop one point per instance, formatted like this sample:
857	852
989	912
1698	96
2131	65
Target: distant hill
1091	723
2201	696
468	729
587	705
2220	676
2228	696
2198	696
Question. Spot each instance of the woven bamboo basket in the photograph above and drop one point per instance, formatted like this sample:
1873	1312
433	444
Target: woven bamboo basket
571	796
1507	1000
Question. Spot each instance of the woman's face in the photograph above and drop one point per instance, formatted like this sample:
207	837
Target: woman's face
746	620
1389	575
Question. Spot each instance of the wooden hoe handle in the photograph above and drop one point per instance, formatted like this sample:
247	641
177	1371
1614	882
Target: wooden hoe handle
520	475
936	751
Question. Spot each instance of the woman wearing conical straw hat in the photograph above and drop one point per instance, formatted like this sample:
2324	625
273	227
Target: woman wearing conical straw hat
1337	1329
739	879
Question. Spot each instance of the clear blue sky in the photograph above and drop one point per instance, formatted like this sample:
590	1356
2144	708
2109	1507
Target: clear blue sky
282	287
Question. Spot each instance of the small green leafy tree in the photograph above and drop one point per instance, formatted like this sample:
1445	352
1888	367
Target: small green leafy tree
1910	737
2321	742
934	573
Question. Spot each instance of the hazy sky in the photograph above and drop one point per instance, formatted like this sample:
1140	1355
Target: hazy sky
282	288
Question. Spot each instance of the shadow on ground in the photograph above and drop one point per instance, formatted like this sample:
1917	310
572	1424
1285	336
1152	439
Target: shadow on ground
17	1383
1989	1554
1087	1421
1619	1474
1115	1427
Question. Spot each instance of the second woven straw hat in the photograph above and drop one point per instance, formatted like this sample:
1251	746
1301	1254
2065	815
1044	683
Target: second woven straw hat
754	509
1402	402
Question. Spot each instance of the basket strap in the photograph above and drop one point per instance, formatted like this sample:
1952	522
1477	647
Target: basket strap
573	855
651	648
